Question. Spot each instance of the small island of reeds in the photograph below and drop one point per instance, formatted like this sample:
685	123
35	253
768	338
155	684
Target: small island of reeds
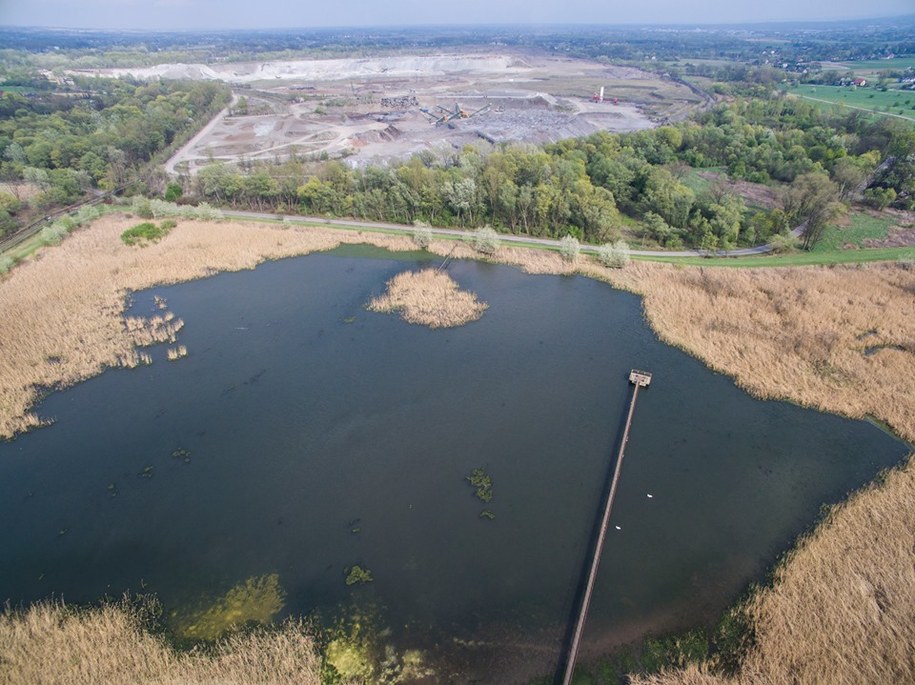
429	298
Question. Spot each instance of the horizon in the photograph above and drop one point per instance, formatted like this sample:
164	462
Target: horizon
910	16
163	16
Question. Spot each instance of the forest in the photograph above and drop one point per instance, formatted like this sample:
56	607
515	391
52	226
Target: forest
68	139
594	187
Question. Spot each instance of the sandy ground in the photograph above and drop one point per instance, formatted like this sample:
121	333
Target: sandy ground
376	109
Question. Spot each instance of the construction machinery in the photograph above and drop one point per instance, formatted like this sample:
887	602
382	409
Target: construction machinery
599	97
445	116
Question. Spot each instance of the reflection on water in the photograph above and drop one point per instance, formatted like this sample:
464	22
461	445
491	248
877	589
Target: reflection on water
303	436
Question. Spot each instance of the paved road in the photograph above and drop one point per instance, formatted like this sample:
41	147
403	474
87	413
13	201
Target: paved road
504	238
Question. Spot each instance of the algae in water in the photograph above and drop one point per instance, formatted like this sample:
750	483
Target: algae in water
257	599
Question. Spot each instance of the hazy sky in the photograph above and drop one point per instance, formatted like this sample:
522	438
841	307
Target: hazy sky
191	14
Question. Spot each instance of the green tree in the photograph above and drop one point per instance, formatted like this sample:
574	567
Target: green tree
812	200
485	240
726	221
879	198
173	192
848	175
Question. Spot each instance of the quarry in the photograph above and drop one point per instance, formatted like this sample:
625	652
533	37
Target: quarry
370	110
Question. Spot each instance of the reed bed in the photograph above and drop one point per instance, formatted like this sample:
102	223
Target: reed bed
839	338
429	298
841	608
176	353
50	644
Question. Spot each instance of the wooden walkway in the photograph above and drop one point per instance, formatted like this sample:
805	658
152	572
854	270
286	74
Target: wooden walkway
639	379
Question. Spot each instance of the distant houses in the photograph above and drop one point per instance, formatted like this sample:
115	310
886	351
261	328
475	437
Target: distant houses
856	82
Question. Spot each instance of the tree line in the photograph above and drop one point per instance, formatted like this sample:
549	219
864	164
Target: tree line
594	187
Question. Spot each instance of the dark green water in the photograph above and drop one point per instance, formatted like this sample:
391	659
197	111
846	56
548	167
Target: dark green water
302	425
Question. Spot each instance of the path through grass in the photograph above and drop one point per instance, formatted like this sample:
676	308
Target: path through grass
897	103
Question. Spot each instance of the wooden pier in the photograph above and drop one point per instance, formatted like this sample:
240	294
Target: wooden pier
639	379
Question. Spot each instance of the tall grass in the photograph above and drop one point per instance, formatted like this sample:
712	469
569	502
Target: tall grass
841	339
51	644
429	298
841	609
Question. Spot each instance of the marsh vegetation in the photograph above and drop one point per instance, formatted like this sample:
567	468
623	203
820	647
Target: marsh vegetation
482	484
356	575
147	232
52	643
430	298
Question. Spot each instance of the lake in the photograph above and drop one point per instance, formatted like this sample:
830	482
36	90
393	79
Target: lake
313	435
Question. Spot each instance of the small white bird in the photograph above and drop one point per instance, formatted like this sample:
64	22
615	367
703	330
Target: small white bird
650	495
618	528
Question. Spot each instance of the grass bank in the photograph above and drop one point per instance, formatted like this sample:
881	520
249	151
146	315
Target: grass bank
838	338
801	258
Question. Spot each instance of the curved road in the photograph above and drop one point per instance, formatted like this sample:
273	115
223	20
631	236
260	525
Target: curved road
503	237
183	152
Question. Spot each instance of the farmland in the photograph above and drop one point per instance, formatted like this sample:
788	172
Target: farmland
873	66
892	102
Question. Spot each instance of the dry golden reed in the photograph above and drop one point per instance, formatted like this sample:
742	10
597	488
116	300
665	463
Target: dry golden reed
429	298
49	644
175	353
841	339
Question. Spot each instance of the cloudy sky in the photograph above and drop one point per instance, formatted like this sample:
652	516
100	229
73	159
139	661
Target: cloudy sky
222	14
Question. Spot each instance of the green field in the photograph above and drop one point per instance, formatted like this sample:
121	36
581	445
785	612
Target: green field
697	183
874	65
862	227
829	250
898	103
802	258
